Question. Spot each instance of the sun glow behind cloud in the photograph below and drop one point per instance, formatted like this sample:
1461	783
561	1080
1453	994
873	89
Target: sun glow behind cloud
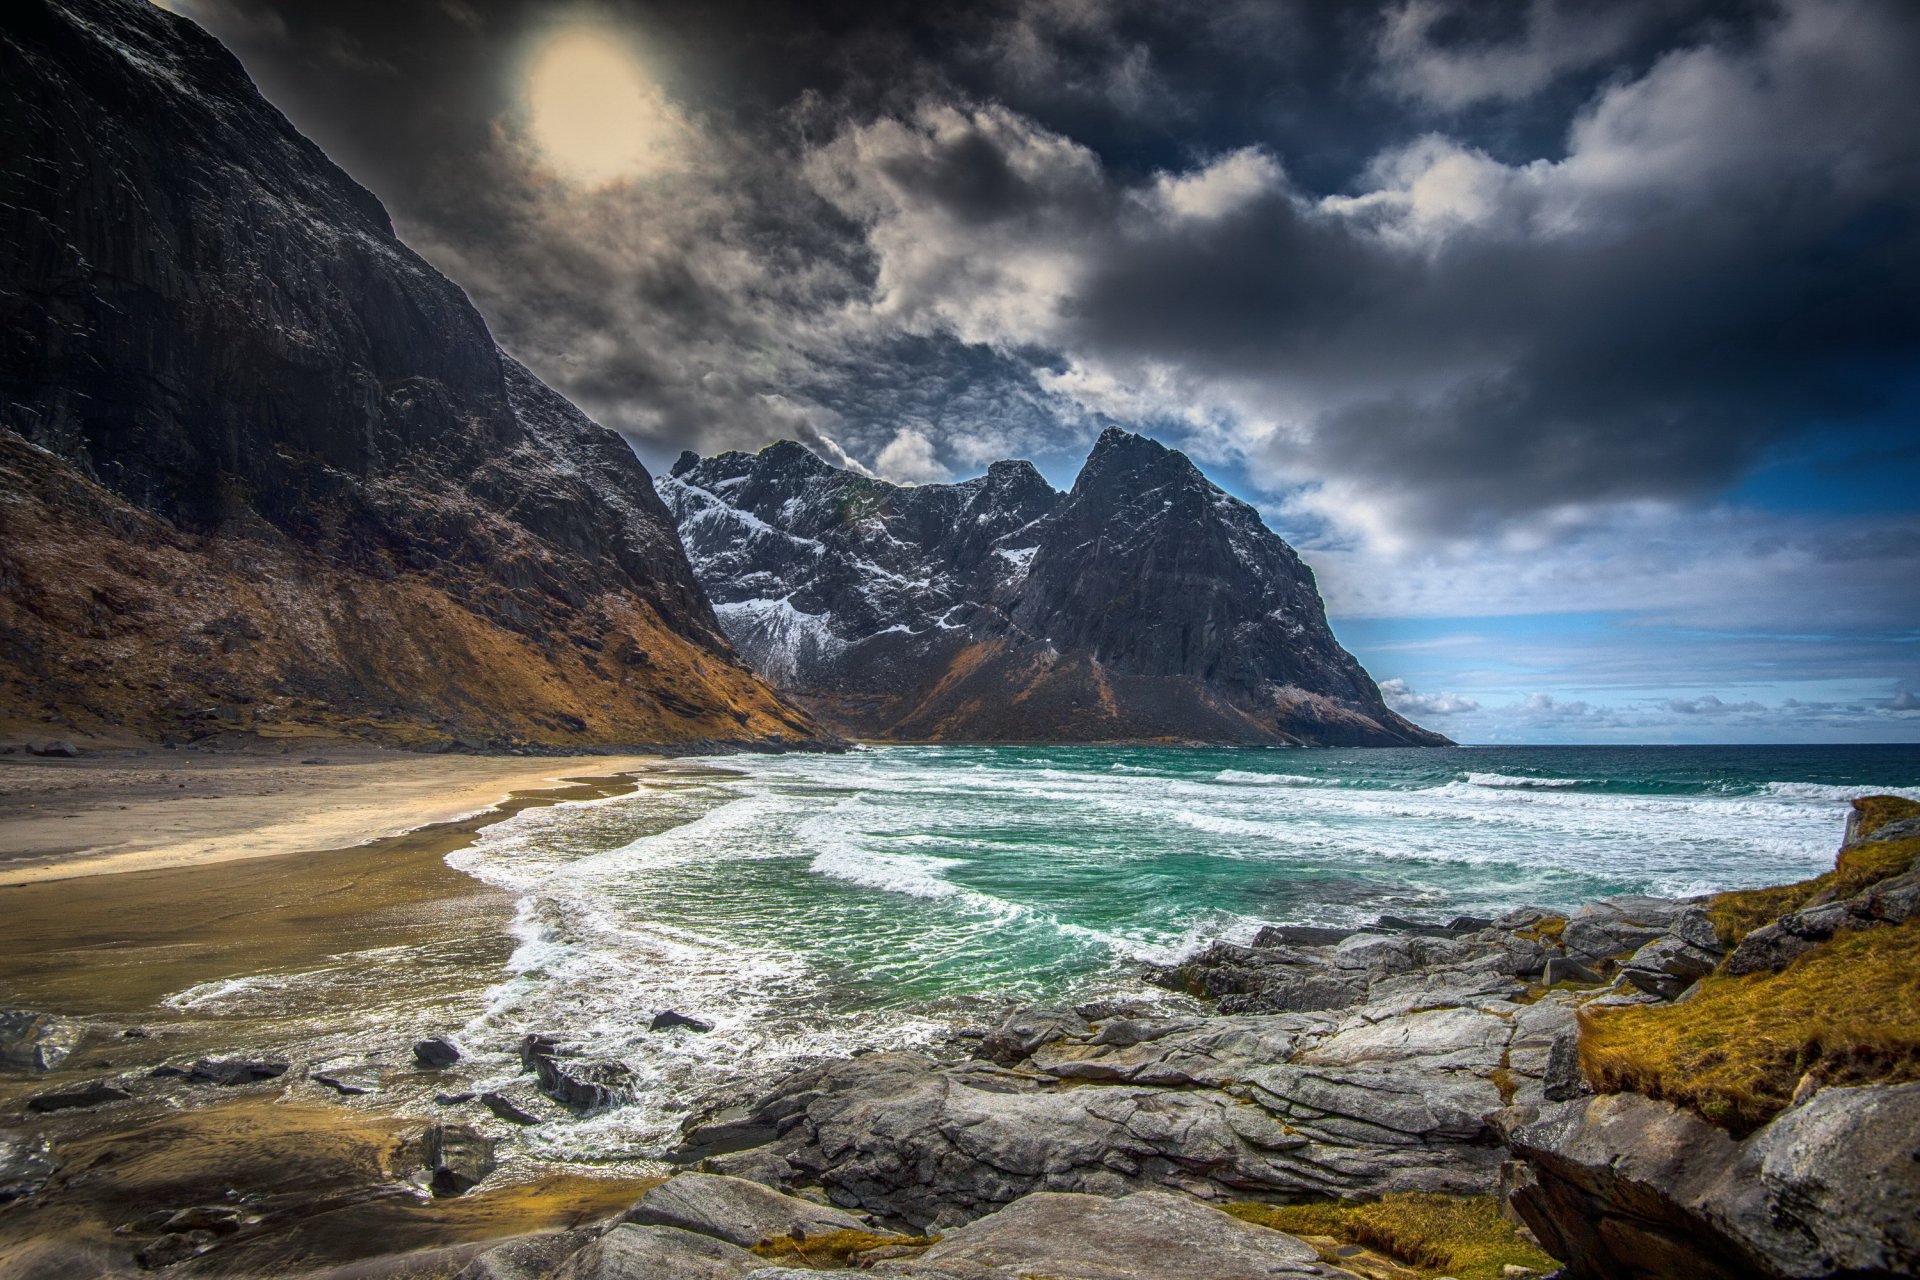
594	115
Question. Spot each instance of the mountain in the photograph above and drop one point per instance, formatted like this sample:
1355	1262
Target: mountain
1144	605
263	469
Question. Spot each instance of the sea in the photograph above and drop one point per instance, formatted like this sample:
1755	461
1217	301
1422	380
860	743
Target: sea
809	906
812	905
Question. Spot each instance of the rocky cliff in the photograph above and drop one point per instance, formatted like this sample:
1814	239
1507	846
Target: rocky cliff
265	469
1144	604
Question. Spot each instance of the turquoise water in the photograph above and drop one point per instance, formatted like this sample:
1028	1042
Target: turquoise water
821	904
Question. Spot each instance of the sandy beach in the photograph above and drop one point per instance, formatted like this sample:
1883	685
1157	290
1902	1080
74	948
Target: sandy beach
122	812
127	878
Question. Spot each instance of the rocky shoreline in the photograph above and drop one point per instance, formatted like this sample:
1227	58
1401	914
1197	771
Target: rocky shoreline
1450	1061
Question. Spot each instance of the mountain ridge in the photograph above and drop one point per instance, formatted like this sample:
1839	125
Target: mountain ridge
267	473
1144	604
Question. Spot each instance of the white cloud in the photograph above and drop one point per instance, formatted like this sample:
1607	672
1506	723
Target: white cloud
1404	700
908	459
1556	36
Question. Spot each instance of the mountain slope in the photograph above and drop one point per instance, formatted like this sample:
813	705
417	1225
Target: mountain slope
264	467
1146	604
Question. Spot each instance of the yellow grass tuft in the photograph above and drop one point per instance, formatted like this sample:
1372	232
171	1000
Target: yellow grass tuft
1876	812
1547	929
1468	1237
1734	1051
833	1250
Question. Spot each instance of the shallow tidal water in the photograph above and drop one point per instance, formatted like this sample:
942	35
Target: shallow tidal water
818	905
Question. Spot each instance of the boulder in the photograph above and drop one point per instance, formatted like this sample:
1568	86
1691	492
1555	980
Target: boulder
629	1252
735	1210
92	1094
59	747
457	1158
529	1257
1149	1235
436	1053
31	1041
1602	932
582	1084
1626	1186
1669	965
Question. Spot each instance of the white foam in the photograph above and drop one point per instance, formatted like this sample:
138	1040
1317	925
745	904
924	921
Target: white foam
1821	793
1267	779
1498	780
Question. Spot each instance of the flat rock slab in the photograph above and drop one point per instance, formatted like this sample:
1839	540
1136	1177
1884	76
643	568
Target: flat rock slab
735	1210
1149	1235
529	1257
629	1252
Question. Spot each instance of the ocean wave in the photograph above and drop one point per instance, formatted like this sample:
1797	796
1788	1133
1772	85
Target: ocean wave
1507	780
1824	793
915	874
1243	778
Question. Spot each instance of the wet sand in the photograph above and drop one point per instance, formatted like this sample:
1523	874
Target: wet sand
105	946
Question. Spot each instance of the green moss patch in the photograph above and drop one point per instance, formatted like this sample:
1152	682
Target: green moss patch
1468	1237
1735	1050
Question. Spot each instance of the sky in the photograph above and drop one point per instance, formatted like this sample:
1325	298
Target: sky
1576	346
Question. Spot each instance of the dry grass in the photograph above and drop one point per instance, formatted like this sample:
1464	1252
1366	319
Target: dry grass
1468	1237
1547	929
1877	811
1859	866
833	1250
1849	1011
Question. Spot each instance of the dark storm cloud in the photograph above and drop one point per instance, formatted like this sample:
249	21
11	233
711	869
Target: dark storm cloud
1435	266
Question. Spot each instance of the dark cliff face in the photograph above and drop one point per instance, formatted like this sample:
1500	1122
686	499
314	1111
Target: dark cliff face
1146	604
283	475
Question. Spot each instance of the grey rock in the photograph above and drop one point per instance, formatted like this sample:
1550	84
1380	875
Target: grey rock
349	1081
1668	965
25	1166
735	1210
235	1071
31	1041
93	1094
668	1019
1625	1186
436	1053
511	1105
578	1083
1775	945
629	1252
1299	935
1148	1235
1565	968
59	747
528	1257
1025	1029
457	1158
